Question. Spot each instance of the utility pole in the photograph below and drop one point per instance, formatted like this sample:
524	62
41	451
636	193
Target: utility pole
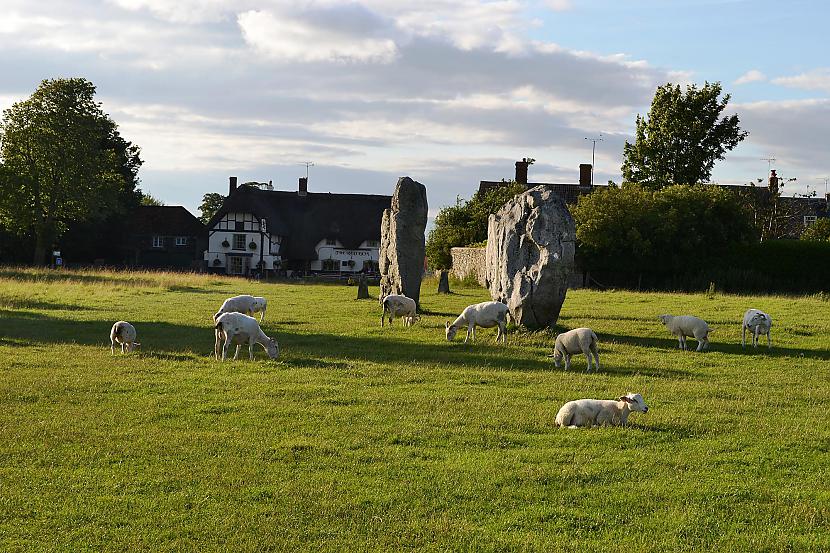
593	153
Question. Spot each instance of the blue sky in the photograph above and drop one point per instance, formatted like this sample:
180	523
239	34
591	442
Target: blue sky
449	92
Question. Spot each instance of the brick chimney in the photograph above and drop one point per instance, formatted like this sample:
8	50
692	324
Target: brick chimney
521	171
773	181
586	171
231	185
303	190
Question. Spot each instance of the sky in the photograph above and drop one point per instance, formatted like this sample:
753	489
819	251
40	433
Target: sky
448	92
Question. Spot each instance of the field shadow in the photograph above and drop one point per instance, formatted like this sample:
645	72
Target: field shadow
13	304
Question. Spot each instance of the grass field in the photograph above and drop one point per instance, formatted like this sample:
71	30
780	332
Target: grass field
366	438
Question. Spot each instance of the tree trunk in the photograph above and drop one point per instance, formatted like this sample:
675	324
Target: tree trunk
363	288
40	248
444	283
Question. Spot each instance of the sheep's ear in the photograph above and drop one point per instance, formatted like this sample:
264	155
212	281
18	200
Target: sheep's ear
448	325
625	399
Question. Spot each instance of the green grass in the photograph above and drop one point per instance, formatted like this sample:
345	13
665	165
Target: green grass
368	438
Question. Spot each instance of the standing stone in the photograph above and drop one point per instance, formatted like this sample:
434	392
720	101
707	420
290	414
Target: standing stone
363	288
402	241
530	256
444	283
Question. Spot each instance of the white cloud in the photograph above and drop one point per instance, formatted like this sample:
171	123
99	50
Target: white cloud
751	76
817	79
559	5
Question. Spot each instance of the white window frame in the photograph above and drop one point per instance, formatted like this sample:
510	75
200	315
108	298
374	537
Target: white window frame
244	242
809	220
158	241
331	242
181	240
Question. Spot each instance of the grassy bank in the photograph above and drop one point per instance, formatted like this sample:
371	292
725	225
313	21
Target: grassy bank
363	438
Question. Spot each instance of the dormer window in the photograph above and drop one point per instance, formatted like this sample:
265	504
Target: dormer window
331	242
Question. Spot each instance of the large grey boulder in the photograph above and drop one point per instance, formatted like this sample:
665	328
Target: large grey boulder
530	255
402	241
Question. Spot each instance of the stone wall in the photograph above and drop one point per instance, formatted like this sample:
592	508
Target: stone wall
468	261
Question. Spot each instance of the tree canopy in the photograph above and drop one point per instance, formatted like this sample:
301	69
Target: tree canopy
818	231
632	229
465	223
63	162
681	138
211	202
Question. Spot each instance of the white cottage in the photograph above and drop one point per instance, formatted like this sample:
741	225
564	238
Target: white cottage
276	230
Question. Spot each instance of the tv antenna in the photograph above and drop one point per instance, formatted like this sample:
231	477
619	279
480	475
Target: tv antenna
770	160
307	165
825	179
593	153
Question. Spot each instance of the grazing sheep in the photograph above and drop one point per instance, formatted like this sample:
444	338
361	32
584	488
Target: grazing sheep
123	333
243	304
758	323
397	305
686	325
574	341
237	328
599	412
486	314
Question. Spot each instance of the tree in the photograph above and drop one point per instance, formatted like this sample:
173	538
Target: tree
64	162
818	231
149	199
211	203
465	223
682	137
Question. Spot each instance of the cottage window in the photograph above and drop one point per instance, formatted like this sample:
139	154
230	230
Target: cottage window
181	240
235	265
239	241
809	220
372	244
331	242
158	241
331	265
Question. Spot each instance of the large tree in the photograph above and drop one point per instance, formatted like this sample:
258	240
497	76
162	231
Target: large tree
681	138
211	203
64	162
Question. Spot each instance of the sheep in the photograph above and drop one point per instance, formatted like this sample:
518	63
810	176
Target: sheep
486	314
574	341
243	304
687	325
599	412
123	333
238	328
758	323
400	306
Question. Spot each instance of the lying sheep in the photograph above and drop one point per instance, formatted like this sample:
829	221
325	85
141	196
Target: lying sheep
757	322
575	341
686	325
486	315
599	412
243	304
123	333
237	329
397	305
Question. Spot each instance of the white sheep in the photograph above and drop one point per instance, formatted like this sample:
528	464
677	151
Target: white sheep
397	305
243	304
486	314
575	341
123	333
600	412
687	325
757	322
237	329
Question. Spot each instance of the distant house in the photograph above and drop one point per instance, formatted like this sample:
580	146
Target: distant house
164	237
569	192
305	232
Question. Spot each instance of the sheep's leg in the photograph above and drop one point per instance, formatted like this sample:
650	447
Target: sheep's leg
567	361
122	347
112	347
769	341
469	331
588	357
743	336
226	347
503	329
262	315
217	345
593	348
755	337
236	355
680	342
251	349
473	332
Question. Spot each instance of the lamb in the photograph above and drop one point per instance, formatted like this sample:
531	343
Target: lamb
758	323
486	314
574	341
599	412
123	333
243	304
400	306
686	325
237	328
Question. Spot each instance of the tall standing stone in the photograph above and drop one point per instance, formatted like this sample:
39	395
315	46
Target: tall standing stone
530	256
402	241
